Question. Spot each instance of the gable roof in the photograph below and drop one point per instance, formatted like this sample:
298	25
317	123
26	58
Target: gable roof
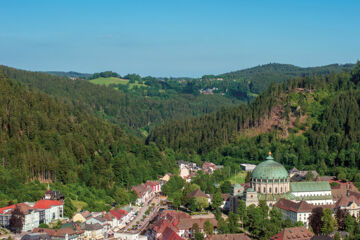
288	205
141	189
185	224
346	200
295	233
309	186
118	213
45	204
170	234
197	193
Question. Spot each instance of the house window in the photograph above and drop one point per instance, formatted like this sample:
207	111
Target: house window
53	215
276	190
269	190
264	189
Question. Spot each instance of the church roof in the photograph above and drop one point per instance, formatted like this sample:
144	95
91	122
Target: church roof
269	169
309	186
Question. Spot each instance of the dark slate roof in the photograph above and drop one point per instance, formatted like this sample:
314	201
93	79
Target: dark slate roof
36	236
91	227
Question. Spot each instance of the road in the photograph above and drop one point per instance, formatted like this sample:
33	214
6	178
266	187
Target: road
141	213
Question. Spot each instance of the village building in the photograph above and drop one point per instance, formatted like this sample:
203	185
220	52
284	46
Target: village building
197	193
298	176
53	195
295	211
166	226
248	167
185	226
49	210
129	236
31	216
59	234
81	217
349	202
208	167
294	233
155	185
187	170
166	177
144	193
93	231
43	211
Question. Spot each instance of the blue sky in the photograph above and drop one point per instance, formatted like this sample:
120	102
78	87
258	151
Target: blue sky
176	37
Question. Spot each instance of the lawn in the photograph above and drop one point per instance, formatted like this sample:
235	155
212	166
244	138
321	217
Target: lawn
110	80
240	177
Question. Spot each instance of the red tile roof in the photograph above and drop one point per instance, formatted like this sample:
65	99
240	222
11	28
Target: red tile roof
2	210
23	208
45	204
152	183
170	234
118	213
295	233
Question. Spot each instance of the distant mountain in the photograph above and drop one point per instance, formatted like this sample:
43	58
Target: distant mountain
260	77
70	74
132	113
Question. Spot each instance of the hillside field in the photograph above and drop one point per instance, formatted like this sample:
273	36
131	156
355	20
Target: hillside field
115	80
109	80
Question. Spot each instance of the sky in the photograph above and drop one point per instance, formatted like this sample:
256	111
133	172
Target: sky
176	38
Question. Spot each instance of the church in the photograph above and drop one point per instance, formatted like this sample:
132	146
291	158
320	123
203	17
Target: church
270	182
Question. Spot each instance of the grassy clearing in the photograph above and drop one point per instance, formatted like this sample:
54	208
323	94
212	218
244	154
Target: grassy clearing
115	80
108	81
79	204
238	178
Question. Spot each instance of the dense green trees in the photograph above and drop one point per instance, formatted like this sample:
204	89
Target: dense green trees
318	127
44	138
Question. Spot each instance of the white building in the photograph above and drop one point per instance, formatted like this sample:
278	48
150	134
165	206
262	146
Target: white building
49	210
129	236
248	167
295	211
317	193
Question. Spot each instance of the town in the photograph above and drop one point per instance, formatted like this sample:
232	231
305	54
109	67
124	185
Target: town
296	196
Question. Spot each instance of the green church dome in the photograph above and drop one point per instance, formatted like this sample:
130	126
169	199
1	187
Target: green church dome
269	169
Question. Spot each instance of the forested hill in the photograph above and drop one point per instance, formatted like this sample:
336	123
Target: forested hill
70	74
128	111
307	120
260	77
47	139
